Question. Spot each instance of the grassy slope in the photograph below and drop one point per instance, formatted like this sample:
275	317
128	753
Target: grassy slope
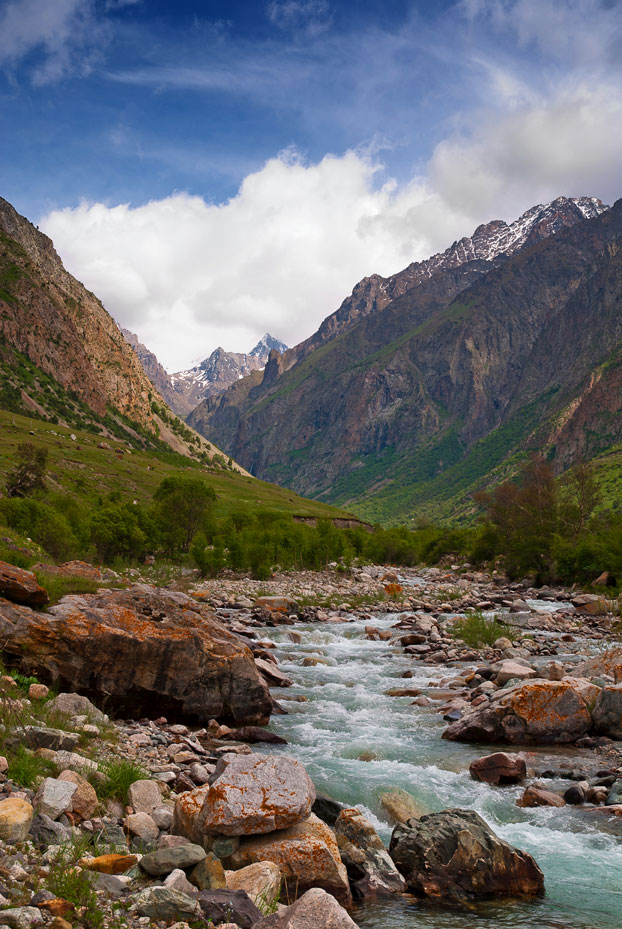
86	471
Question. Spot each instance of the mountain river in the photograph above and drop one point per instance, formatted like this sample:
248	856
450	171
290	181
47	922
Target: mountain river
347	716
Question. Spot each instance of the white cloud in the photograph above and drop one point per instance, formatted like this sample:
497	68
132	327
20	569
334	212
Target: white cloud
64	32
311	17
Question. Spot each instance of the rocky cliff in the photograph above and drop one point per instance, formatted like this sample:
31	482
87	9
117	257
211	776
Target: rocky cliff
436	388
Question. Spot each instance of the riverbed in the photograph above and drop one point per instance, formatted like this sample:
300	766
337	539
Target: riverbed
357	742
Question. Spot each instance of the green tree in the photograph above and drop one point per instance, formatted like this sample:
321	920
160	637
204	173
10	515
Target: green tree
183	507
29	472
116	532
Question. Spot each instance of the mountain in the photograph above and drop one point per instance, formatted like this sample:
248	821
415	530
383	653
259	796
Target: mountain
62	356
428	384
216	373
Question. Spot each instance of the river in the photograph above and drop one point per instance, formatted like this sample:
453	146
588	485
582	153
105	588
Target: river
347	717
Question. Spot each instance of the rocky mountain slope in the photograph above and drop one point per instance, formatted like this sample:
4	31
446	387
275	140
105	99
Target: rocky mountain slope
62	355
436	380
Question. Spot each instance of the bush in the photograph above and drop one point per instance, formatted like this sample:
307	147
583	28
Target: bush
42	523
183	507
116	532
29	472
477	630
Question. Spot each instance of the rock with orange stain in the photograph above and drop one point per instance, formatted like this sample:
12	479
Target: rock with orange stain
608	662
535	712
307	856
143	652
57	906
109	864
21	586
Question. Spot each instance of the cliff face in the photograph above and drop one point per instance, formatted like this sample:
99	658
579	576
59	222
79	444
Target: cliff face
420	400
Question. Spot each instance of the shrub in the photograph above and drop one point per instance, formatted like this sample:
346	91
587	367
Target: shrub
477	630
42	523
183	507
116	532
29	472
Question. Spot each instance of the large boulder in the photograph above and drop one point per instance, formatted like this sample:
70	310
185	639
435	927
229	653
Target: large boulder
534	712
306	854
608	711
21	586
454	855
314	910
141	652
608	662
15	819
369	866
250	795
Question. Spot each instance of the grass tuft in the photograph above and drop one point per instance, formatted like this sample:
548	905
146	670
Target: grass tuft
477	631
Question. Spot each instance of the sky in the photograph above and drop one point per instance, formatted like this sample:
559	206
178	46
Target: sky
216	170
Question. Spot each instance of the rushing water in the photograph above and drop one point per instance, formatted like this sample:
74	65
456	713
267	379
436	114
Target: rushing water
347	716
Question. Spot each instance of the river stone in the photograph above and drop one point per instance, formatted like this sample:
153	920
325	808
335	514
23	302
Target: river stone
15	820
608	711
177	880
454	855
114	645
45	831
315	909
534	712
165	860
144	796
509	669
261	881
538	796
400	805
608	662
499	768
165	903
54	797
208	874
307	855
229	906
255	794
21	586
370	869
44	737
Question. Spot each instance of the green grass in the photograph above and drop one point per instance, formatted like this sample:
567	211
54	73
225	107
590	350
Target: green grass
58	586
477	631
27	769
119	777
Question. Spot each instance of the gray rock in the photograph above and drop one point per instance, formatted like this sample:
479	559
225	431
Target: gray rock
166	903
177	880
608	711
142	826
615	794
229	906
77	705
144	796
370	869
165	860
54	797
314	910
22	917
109	884
55	739
45	831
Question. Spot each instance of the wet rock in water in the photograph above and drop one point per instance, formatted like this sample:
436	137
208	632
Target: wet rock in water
575	794
229	906
275	677
146	651
327	810
499	768
608	711
369	866
21	586
315	909
15	820
261	881
277	604
165	903
511	669
306	854
400	805
535	712
250	795
538	796
255	734
454	855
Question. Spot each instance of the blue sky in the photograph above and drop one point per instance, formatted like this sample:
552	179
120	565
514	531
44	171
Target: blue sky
213	170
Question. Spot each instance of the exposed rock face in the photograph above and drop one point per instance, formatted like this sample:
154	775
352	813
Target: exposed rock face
306	854
369	866
608	662
21	586
314	910
407	390
608	711
454	855
537	712
142	651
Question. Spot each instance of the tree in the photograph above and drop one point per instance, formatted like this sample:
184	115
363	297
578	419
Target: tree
29	473
184	506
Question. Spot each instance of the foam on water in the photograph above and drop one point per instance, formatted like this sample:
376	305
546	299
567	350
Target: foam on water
348	717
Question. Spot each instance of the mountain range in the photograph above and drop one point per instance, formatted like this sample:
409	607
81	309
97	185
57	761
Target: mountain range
431	383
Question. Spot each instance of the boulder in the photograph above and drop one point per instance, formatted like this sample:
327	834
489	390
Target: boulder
511	669
306	854
534	712
277	604
142	826
499	768
21	586
166	903
22	917
144	651
84	801
608	711
454	855
261	881
608	662
15	820
54	797
229	906
370	869
144	796
165	860
250	795
57	740
77	705
400	805
177	880
109	864
538	796
274	676
315	909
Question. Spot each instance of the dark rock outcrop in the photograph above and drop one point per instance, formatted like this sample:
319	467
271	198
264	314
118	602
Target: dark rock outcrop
140	652
455	856
21	586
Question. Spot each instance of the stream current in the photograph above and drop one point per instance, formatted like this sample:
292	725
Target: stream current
347	716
